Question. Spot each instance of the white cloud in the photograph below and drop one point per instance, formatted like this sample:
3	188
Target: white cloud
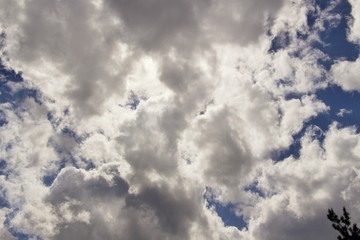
145	104
354	34
346	76
343	111
305	188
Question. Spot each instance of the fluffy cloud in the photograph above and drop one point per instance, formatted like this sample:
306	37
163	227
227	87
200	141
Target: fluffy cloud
354	34
138	108
301	190
98	204
88	52
72	42
346	76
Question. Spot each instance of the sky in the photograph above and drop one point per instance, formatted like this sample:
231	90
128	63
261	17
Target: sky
178	119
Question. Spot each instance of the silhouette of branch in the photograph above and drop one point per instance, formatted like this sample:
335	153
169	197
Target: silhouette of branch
343	225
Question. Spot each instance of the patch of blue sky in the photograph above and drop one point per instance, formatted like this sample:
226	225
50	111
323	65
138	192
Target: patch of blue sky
280	41
50	177
133	101
254	189
227	214
66	131
89	165
3	119
4	203
9	74
14	98
226	211
344	106
4	171
334	39
55	122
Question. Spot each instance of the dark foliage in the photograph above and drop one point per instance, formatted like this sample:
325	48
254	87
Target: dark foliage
343	225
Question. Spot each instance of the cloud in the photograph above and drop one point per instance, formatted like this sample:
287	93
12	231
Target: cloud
81	45
354	34
4	233
71	40
345	75
343	111
100	204
160	25
142	106
302	189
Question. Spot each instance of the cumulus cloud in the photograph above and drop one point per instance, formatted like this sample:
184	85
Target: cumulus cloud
127	113
71	40
98	204
354	34
346	76
303	189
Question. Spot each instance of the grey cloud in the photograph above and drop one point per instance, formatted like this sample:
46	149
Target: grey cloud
156	211
96	193
160	24
80	230
186	28
4	234
83	188
229	157
79	38
174	208
64	33
149	142
178	75
173	122
283	225
240	22
142	152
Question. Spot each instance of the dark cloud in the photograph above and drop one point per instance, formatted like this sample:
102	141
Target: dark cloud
290	226
229	158
98	205
160	24
178	74
174	208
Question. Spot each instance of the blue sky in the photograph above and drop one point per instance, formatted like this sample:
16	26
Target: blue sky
178	119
